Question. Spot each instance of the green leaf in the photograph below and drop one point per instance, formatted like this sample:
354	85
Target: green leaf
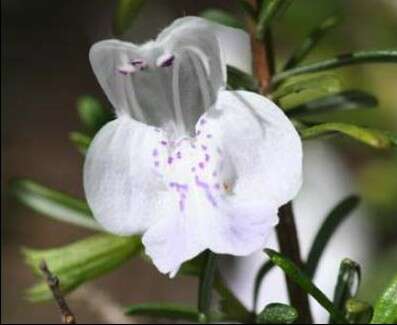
126	12
164	310
301	279
328	228
193	267
347	285
374	138
345	100
92	114
248	8
269	10
263	271
206	284
381	56
222	17
81	261
312	40
323	85
386	307
81	141
231	307
54	204
277	314
237	79
358	312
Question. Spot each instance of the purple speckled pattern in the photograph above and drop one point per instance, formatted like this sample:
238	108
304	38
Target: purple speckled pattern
190	165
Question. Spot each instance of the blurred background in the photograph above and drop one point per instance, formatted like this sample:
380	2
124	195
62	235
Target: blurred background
45	69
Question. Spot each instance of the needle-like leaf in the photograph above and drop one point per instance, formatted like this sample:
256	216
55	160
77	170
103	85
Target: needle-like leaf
315	36
52	203
345	100
372	137
328	228
300	278
381	56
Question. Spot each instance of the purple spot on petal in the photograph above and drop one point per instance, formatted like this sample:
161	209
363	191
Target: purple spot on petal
207	157
204	147
201	165
203	121
164	143
169	160
155	153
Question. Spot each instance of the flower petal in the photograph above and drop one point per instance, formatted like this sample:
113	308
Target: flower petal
199	36
120	183
262	145
241	227
172	241
234	43
169	82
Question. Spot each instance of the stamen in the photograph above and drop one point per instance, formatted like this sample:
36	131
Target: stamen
139	63
126	69
165	60
177	99
202	78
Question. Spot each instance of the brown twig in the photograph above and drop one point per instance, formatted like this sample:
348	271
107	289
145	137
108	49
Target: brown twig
263	66
289	246
53	284
260	55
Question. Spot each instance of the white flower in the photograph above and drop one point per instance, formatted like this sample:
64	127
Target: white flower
188	164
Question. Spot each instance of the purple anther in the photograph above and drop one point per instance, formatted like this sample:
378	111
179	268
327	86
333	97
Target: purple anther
155	153
178	155
137	61
207	157
156	163
170	159
209	136
217	186
203	121
201	165
214	174
198	132
193	169
164	143
165	60
204	147
126	69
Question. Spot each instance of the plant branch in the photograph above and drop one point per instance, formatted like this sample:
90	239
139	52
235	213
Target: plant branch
260	55
263	65
289	246
53	283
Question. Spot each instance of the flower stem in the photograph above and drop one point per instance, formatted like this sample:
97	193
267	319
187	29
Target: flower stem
205	287
263	65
